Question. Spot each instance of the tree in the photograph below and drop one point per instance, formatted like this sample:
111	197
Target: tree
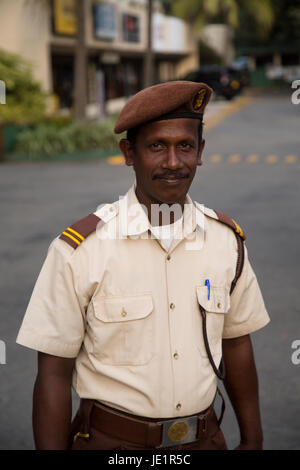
286	27
201	12
284	34
25	101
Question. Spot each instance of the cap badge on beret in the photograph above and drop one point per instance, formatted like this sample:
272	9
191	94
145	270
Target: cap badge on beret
170	100
199	98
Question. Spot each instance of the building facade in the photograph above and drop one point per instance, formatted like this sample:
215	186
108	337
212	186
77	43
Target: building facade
44	32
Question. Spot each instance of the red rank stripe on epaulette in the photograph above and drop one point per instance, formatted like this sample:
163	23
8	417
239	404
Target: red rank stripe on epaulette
78	232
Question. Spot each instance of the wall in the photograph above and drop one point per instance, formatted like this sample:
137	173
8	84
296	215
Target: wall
219	38
24	30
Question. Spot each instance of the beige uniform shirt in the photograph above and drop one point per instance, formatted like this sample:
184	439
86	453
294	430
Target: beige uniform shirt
127	309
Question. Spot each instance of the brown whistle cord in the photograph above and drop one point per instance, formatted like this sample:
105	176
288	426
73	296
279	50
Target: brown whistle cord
220	373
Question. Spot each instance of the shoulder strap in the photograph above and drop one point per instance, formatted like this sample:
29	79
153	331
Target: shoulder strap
239	263
231	223
78	232
240	237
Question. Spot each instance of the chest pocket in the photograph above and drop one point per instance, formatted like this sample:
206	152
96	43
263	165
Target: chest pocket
123	329
216	307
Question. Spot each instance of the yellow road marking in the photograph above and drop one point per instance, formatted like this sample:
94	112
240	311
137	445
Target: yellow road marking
272	159
235	158
252	158
216	158
116	160
238	104
290	158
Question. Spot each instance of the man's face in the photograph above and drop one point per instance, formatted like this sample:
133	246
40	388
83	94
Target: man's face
165	157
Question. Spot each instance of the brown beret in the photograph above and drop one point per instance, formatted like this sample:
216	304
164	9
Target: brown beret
164	101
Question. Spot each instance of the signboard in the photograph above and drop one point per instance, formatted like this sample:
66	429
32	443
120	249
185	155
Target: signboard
176	35
110	58
105	21
64	17
131	28
159	32
168	34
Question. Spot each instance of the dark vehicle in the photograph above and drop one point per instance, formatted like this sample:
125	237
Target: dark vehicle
240	66
225	81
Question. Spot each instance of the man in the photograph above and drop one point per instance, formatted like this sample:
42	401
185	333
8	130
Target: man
136	311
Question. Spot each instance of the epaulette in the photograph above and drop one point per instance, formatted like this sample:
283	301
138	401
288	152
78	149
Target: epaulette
78	232
240	236
227	221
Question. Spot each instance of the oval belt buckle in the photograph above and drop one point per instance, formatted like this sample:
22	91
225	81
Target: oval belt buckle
179	431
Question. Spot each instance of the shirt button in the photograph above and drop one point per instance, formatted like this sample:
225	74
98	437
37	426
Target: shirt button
123	313
172	305
168	257
178	406
176	355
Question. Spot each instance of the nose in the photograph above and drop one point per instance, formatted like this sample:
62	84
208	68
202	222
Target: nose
172	160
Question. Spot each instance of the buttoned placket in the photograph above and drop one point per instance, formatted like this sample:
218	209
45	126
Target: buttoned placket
175	314
174	326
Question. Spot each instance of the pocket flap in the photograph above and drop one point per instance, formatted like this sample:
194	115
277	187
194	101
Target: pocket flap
219	301
120	309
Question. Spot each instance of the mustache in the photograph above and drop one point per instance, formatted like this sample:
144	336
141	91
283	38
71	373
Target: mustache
173	176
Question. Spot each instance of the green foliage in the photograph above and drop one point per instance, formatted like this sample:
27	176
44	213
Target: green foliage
286	27
56	121
50	140
284	34
25	101
201	12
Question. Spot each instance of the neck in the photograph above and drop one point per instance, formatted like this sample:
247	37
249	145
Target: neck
159	217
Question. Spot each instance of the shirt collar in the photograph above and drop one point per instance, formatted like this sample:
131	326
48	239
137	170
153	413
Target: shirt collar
134	219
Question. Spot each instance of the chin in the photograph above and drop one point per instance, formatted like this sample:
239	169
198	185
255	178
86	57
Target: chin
172	196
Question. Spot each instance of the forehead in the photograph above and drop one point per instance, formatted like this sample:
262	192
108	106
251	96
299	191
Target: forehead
170	128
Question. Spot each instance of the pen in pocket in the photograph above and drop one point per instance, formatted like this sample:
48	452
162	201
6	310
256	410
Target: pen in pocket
207	283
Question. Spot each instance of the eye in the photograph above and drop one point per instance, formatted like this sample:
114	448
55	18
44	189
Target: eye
185	146
156	146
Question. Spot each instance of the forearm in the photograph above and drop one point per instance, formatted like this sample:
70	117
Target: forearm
241	384
52	412
52	402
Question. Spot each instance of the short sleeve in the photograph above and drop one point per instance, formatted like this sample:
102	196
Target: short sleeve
54	320
247	311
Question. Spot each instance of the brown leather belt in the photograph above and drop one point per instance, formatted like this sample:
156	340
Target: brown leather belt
148	432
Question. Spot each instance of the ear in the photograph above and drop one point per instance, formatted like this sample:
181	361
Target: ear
127	151
200	151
